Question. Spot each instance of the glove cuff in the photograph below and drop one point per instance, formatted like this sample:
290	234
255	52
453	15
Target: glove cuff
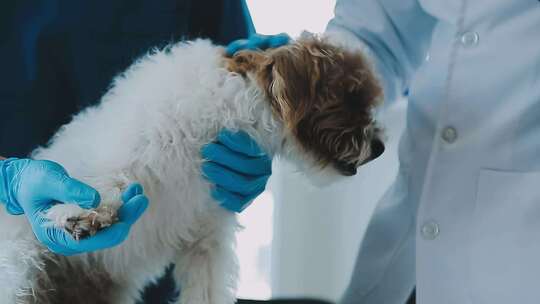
6	195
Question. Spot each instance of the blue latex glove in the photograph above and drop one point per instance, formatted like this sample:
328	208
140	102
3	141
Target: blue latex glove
238	168
235	163
257	41
31	187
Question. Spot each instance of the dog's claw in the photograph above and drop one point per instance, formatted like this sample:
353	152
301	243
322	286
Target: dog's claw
89	224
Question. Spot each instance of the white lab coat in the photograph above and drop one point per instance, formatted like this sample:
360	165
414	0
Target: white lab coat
462	221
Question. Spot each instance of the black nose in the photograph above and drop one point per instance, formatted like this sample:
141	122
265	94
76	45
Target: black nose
377	149
348	169
345	168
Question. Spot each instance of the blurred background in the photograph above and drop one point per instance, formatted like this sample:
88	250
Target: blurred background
300	241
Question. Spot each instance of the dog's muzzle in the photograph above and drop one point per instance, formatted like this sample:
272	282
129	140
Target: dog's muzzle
348	169
377	149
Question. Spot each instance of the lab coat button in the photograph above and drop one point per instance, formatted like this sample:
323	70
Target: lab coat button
430	230
469	39
449	135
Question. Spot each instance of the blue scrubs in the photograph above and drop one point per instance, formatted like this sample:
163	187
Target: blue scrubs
59	56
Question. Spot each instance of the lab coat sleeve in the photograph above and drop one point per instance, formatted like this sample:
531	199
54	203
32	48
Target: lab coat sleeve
394	33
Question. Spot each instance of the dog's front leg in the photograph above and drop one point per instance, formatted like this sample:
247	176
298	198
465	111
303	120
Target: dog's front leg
207	273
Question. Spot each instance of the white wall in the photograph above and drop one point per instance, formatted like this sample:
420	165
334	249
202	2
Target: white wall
290	16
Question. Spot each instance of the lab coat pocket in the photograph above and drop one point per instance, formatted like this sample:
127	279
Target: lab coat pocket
505	238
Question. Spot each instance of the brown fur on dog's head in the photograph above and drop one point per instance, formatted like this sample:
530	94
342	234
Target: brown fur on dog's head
325	97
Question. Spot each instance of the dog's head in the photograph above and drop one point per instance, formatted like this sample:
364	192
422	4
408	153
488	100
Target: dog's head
325	97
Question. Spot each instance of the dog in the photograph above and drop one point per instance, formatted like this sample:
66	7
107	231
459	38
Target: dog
308	101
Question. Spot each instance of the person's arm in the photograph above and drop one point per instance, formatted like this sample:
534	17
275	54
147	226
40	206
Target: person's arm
2	158
396	34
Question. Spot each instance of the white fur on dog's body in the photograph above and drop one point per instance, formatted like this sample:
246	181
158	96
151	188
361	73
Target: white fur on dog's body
149	128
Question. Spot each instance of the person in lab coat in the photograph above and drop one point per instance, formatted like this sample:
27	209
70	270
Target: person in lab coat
461	223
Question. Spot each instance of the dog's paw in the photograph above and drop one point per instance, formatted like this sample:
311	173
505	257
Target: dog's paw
79	222
91	222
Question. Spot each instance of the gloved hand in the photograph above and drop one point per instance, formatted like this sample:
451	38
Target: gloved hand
33	186
238	168
257	41
235	163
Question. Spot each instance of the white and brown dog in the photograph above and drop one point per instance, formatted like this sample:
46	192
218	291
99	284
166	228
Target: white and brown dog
308	101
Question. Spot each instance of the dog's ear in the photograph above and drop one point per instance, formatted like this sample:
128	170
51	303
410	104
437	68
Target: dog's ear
285	76
246	61
275	73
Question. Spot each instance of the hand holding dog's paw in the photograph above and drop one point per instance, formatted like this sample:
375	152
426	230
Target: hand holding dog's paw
81	223
31	187
95	229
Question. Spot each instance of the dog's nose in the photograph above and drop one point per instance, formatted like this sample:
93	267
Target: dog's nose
348	169
345	169
377	149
